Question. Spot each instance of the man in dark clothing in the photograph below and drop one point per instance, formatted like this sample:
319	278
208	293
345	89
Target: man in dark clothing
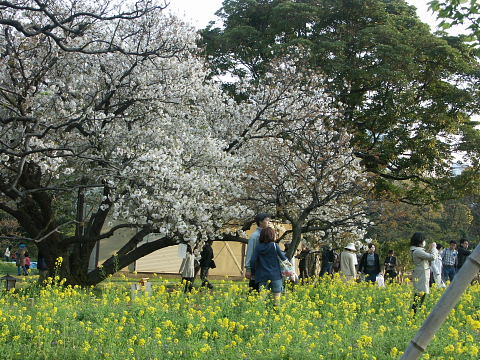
463	253
206	263
328	257
303	263
370	264
391	266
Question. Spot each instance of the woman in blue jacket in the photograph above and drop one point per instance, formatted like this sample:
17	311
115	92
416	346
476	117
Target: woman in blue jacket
266	266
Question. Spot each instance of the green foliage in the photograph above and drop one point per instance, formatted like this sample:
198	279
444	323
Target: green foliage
455	12
400	85
395	223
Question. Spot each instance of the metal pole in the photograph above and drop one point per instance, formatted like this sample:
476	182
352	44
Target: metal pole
447	302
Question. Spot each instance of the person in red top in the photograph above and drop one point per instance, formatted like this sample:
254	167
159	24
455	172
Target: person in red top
28	262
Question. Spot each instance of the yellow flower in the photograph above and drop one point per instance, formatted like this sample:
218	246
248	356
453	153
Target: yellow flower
474	350
449	348
205	348
364	341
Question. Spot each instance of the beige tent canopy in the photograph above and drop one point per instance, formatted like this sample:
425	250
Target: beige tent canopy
229	256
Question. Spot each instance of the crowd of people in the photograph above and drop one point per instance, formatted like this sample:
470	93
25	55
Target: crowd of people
21	258
267	266
264	259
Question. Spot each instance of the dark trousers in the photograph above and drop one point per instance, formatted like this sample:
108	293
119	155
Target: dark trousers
391	275
188	283
372	276
327	269
417	302
303	273
253	285
204	277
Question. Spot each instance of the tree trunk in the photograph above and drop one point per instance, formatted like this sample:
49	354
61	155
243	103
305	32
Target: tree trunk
296	239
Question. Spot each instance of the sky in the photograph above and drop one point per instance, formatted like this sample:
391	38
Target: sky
200	12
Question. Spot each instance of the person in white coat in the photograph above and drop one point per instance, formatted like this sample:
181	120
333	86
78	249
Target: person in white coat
421	272
437	266
348	261
7	254
187	269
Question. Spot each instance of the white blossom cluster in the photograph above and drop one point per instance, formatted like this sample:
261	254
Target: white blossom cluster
146	124
303	166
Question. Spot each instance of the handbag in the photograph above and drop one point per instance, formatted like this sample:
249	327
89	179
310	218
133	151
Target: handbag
287	270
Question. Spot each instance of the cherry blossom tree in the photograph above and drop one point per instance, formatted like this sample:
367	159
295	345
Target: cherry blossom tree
111	102
107	114
303	168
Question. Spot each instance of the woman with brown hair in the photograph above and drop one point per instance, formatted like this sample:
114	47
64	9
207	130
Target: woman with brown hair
265	263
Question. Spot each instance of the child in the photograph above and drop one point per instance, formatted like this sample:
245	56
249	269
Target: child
187	269
27	262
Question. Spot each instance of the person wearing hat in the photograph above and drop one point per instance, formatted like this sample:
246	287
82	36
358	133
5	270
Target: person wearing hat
263	221
348	261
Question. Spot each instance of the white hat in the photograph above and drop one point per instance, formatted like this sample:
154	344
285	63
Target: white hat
351	246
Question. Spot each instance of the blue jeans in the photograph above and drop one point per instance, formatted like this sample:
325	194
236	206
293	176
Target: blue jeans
21	270
275	285
448	272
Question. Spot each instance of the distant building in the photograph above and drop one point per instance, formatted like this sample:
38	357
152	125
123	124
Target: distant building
458	168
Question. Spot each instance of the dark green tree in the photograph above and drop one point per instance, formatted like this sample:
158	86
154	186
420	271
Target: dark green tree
405	91
459	12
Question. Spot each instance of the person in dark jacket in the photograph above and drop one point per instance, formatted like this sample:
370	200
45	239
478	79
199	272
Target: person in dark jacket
391	266
303	262
206	263
328	257
463	253
370	264
265	263
42	267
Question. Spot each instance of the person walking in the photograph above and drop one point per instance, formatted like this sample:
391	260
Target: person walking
263	221
449	261
390	265
348	261
303	263
370	264
265	265
42	267
463	253
421	273
28	262
7	254
20	261
206	263
187	269
328	257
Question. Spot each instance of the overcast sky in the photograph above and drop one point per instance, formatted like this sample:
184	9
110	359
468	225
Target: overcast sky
200	12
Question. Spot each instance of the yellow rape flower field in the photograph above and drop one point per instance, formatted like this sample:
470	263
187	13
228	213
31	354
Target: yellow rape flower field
325	319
